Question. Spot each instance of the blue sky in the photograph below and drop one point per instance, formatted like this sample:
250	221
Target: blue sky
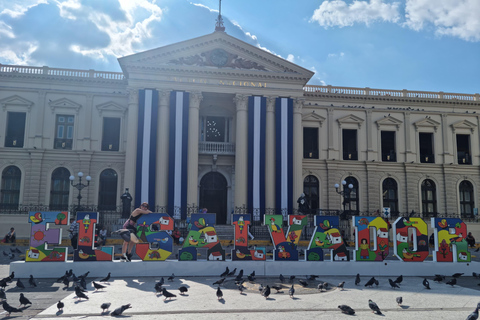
429	45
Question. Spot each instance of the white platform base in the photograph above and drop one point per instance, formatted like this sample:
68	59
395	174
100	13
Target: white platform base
139	268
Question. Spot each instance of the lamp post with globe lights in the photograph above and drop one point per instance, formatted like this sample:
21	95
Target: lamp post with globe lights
80	186
345	193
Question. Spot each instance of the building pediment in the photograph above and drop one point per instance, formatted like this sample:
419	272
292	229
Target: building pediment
111	106
350	120
313	117
16	101
464	124
65	104
388	121
217	53
427	123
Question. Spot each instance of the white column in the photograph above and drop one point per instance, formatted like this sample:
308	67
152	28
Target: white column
131	146
161	192
87	135
38	141
270	154
297	149
193	123
241	151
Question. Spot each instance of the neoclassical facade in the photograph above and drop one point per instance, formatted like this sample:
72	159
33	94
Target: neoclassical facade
217	123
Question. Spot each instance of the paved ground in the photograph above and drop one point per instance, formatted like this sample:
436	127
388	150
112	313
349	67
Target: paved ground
441	302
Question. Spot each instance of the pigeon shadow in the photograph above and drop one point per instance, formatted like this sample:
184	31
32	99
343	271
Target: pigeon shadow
121	316
295	298
183	295
25	307
222	301
404	307
169	300
270	299
106	313
79	301
59	312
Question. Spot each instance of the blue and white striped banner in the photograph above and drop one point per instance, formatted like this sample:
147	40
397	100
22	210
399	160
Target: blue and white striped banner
257	112
178	153
284	155
146	147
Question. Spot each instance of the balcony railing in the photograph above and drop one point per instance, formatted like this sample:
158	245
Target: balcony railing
207	147
62	72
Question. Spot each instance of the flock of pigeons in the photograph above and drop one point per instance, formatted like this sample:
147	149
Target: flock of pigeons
11	254
80	287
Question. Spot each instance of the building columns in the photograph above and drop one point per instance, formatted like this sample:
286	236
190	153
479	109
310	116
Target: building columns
297	149
270	154
161	192
131	146
193	123
241	150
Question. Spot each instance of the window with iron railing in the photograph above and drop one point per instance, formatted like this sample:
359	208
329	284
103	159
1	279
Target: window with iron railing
10	188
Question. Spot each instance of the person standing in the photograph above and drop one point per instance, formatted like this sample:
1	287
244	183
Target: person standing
74	226
130	238
176	236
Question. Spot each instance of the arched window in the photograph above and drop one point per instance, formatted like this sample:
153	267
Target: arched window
351	197
310	188
390	195
10	191
59	189
467	202
107	191
429	197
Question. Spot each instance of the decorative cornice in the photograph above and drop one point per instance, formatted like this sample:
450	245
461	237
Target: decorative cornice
16	101
111	106
64	103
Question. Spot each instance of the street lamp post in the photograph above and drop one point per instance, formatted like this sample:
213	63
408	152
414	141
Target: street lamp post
80	186
345	193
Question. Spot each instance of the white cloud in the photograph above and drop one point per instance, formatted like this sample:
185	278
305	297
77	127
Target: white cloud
291	58
338	13
19	57
336	55
458	18
14	10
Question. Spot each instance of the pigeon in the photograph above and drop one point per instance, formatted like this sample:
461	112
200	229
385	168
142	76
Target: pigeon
4	253
303	283
106	278
282	278
79	293
18	250
311	277
69	273
219	293
182	289
60	305
8	308
399	279
219	282
457	275
11	276
376	282
83	283
238	278
63	277
168	295
439	278
266	292
98	286
231	274
11	256
320	286
120	310
84	275
261	288
32	282
66	282
325	285
240	273
3	296
370	282
399	301
20	284
24	300
225	273
105	306
241	287
357	282
158	288
341	285
291	291
452	282
278	288
346	309
374	307
171	277
3	284
252	274
292	278
473	315
426	284
162	281
251	278
475	275
393	284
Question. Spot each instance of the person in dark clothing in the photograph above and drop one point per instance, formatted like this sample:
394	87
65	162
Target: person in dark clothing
10	236
130	225
470	240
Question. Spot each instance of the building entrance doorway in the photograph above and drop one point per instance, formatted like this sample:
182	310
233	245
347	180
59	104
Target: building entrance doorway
213	195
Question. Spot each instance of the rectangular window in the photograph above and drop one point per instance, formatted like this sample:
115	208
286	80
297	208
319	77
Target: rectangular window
64	132
463	149
426	147
388	146
111	134
15	134
310	143
350	144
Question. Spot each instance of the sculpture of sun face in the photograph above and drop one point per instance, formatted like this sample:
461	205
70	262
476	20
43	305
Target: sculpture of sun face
39	235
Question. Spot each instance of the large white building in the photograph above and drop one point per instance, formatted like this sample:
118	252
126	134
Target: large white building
215	122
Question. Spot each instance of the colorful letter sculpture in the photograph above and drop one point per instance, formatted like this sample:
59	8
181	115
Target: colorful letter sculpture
202	234
327	236
285	246
450	242
41	236
417	248
86	250
151	228
363	250
240	250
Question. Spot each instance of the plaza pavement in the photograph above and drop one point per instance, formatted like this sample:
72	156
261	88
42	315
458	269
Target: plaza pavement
441	302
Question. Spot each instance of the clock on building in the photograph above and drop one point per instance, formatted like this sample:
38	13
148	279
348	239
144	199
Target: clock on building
219	57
